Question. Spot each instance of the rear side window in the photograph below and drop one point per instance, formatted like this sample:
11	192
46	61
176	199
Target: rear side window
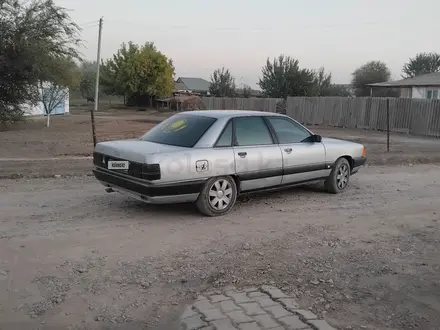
180	130
252	131
225	139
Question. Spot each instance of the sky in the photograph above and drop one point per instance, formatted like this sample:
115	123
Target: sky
203	35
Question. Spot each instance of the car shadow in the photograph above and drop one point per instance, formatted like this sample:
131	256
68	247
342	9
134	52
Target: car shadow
134	207
275	194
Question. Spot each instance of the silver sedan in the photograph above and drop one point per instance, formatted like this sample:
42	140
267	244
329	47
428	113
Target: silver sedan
210	157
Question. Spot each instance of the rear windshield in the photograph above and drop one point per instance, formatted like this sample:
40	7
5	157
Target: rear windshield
179	130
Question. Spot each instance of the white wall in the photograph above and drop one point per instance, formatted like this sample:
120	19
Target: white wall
420	92
38	109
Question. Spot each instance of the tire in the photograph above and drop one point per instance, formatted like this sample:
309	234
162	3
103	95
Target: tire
211	204
339	177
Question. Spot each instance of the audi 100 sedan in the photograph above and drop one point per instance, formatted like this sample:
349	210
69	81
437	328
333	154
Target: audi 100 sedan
210	157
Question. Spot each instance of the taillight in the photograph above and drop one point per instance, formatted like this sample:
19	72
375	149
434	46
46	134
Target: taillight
150	172
364	152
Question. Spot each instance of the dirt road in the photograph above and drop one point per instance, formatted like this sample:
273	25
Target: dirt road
75	257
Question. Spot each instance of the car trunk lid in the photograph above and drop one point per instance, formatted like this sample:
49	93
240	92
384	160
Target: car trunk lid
133	150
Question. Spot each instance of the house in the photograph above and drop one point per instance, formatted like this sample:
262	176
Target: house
425	86
38	109
195	85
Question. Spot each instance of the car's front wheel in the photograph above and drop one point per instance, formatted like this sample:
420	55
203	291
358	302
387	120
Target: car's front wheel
339	177
218	196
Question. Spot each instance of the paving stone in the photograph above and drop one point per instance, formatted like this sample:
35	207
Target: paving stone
229	288
293	322
218	298
321	325
278	311
203	304
265	301
266	321
213	314
228	306
209	327
224	324
274	292
249	326
250	290
239	317
289	303
257	294
194	322
252	308
188	312
308	315
239	297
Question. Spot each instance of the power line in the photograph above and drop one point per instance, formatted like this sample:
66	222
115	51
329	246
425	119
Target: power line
262	28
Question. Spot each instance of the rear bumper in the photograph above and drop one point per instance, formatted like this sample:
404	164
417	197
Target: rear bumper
181	192
358	163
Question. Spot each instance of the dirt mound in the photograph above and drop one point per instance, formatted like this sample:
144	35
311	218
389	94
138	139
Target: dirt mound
193	103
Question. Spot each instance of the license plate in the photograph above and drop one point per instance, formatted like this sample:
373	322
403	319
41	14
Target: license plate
117	165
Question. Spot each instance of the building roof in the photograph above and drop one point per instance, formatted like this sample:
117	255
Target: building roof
430	79
178	86
195	84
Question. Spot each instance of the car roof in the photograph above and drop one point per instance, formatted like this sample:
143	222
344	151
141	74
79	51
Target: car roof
228	113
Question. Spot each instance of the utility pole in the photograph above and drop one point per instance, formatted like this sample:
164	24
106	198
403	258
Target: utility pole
98	60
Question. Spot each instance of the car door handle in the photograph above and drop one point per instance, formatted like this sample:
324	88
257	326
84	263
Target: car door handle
288	150
242	154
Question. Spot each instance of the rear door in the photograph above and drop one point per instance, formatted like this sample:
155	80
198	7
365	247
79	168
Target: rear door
302	160
258	159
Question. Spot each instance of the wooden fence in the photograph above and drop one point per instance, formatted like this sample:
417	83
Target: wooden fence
231	103
413	116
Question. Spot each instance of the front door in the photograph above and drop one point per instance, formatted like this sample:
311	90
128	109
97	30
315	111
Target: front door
258	160
302	160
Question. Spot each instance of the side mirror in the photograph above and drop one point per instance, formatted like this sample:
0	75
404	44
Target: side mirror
316	138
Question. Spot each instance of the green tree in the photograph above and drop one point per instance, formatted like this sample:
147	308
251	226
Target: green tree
247	91
336	90
422	63
88	79
370	73
283	77
33	34
135	71
321	83
222	83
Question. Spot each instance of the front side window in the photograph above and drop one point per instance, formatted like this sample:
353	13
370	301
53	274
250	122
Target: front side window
179	130
288	131
251	131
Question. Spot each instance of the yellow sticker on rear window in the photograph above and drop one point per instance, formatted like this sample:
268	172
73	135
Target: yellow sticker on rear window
175	126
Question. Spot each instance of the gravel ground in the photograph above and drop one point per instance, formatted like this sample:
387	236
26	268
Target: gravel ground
75	257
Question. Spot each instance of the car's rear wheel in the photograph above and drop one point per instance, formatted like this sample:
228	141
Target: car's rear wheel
339	177
218	196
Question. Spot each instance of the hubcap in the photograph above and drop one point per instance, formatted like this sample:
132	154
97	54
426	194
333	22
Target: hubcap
220	194
342	176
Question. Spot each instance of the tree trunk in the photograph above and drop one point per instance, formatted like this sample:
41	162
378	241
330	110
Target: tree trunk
48	120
